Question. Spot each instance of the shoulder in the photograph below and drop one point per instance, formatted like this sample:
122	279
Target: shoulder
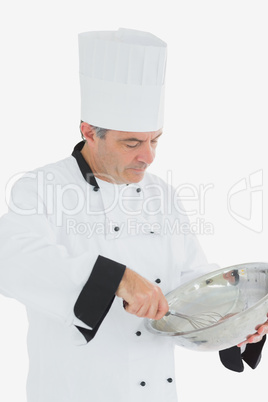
36	183
59	171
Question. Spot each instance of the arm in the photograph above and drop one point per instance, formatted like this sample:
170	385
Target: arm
141	297
38	271
262	330
249	351
77	290
195	264
233	357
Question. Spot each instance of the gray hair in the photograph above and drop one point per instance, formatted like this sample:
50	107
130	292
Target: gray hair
100	132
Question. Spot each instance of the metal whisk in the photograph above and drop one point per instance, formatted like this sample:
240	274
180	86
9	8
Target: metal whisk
198	321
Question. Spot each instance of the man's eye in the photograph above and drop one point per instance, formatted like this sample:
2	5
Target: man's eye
132	145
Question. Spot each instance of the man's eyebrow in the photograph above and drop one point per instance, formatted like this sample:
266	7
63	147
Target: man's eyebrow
158	135
133	139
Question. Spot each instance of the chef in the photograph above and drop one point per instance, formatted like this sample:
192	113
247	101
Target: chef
87	244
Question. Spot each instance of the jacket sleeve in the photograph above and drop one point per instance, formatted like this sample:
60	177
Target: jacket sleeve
41	273
97	295
233	357
195	263
192	259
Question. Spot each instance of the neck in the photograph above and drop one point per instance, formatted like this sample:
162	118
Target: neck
89	158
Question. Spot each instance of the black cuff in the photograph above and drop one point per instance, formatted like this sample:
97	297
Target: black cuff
98	294
233	359
252	354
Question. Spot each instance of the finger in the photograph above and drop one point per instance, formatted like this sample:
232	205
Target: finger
139	307
244	343
254	338
149	302
152	311
248	340
142	311
132	308
263	329
163	308
154	307
148	309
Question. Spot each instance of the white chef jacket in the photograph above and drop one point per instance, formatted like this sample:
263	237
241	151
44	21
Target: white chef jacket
65	243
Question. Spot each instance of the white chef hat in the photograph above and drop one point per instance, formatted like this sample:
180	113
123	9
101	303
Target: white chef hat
122	77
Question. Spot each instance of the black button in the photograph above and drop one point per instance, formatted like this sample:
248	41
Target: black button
169	380
116	228
158	280
152	232
96	188
138	190
143	383
138	333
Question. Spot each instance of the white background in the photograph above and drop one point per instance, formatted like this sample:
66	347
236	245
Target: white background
214	134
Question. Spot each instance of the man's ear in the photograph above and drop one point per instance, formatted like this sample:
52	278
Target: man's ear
88	133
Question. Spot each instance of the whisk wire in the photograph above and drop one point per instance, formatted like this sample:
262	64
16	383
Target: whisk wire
198	321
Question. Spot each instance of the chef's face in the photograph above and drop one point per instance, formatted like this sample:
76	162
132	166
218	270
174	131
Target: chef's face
123	157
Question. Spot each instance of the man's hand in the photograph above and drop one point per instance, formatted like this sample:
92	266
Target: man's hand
257	337
142	298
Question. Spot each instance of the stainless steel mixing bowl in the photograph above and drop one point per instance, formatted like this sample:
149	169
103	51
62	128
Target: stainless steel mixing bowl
238	293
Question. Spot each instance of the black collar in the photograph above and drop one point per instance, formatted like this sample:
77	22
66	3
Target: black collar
83	165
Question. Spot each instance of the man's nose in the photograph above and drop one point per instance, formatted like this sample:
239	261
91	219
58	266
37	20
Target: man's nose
146	154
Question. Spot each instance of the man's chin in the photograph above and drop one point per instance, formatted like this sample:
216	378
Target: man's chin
135	176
